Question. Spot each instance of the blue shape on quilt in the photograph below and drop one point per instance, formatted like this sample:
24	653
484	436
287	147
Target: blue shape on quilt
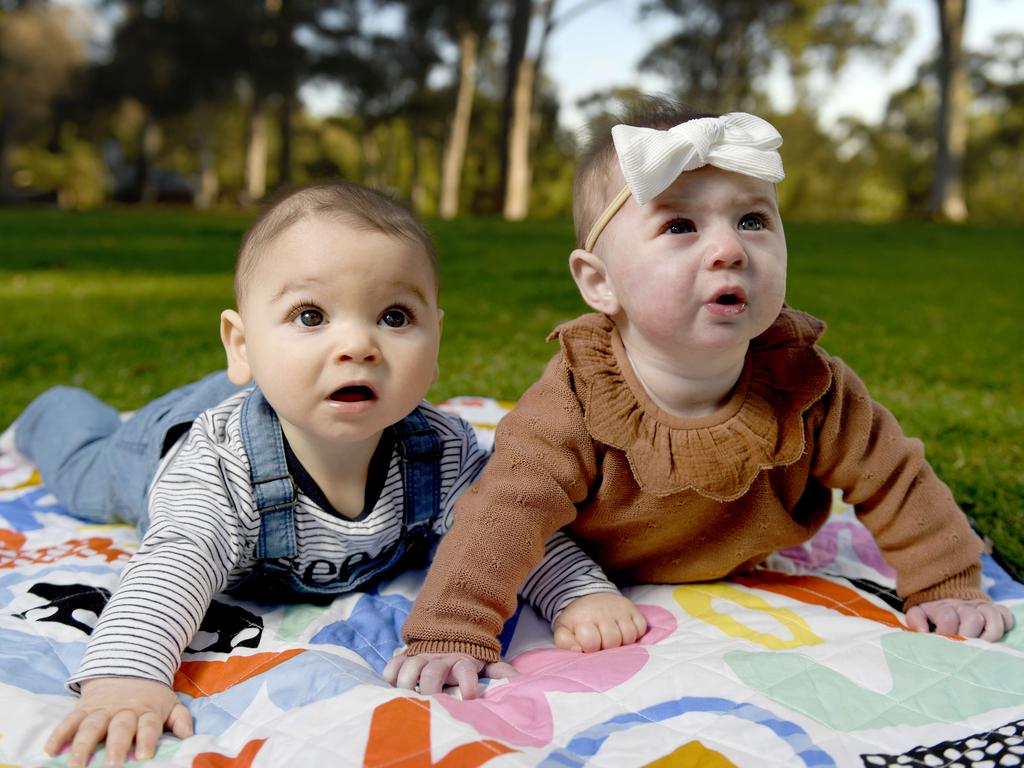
1004	587
307	678
20	512
371	630
36	663
586	744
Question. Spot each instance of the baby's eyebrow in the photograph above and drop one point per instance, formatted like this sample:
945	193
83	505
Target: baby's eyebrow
298	286
401	288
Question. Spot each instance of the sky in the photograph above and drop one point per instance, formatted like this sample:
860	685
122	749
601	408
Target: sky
601	47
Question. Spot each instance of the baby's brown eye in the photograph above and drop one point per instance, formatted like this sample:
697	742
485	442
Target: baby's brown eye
394	318
311	318
681	227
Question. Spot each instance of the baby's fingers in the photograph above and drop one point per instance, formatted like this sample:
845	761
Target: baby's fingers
120	735
150	729
393	668
91	731
998	621
499	670
64	732
630	629
588	636
179	722
565	638
640	623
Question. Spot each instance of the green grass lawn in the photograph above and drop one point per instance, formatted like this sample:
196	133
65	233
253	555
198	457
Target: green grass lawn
126	303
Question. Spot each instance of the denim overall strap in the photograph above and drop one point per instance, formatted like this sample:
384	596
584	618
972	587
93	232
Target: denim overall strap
419	447
272	485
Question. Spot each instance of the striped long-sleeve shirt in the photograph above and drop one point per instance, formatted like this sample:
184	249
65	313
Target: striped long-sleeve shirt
204	526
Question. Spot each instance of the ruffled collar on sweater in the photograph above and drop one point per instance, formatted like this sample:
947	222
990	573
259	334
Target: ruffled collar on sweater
719	455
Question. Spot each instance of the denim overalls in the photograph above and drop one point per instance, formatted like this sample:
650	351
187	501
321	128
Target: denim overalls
100	467
419	448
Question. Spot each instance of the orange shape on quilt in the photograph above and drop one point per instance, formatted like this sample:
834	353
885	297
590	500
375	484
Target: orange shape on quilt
217	760
205	678
692	754
14	554
815	590
400	738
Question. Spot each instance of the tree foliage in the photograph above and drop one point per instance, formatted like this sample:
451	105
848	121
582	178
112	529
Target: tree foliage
171	97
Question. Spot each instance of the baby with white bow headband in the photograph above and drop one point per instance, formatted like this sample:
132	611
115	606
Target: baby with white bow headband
692	425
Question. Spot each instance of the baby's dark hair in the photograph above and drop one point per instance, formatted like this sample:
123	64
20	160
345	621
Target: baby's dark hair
590	193
354	204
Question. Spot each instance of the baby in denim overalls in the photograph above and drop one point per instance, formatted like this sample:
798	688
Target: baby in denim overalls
328	473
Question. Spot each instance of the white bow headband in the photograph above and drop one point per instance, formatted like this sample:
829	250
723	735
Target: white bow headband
652	159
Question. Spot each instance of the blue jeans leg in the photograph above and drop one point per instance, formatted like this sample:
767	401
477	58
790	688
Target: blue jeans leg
69	435
97	465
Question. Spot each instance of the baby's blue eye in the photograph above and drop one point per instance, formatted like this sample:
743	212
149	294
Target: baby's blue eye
394	318
752	222
311	318
681	227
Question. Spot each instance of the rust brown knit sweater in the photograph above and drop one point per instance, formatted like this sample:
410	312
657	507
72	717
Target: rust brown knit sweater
654	497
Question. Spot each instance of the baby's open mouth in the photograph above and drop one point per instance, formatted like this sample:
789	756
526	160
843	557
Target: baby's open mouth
730	297
353	394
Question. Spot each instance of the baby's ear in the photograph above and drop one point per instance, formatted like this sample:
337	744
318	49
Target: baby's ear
232	335
592	279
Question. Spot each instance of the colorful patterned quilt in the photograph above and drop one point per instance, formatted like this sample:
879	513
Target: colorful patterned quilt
805	662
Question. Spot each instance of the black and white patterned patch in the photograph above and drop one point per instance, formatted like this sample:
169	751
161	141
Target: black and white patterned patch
999	748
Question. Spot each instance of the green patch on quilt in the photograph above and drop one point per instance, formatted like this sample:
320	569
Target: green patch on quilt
935	680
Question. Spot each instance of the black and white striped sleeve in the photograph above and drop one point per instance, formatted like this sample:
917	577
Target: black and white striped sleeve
462	461
565	574
194	540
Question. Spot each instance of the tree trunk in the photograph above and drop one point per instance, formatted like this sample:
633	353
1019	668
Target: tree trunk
371	158
517	189
6	142
209	182
418	190
519	29
458	133
255	153
947	199
520	140
284	159
151	139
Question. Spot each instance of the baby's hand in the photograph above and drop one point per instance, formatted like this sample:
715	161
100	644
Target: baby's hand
967	618
122	709
432	671
598	621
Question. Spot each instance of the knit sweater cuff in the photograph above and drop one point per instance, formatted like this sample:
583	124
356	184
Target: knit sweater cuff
481	652
965	585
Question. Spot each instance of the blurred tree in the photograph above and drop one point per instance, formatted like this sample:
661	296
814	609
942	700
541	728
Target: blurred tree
994	160
385	80
38	57
947	196
172	58
519	107
519	20
464	23
520	115
724	50
288	43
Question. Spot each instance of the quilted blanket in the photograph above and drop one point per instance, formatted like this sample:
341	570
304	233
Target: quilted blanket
804	662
